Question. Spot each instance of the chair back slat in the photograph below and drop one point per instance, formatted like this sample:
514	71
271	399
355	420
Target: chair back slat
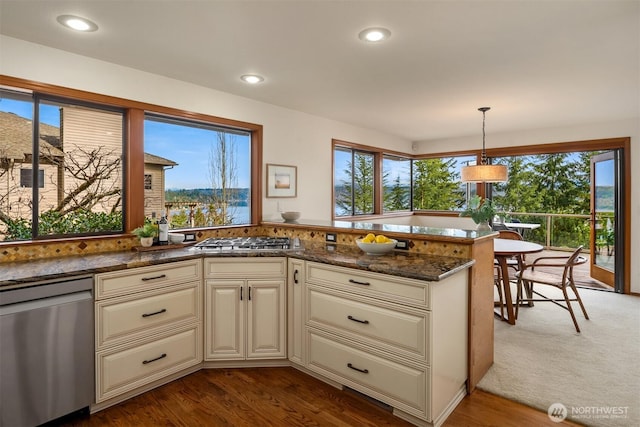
509	234
575	257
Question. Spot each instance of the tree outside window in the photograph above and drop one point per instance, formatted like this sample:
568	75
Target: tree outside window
396	182
78	167
205	173
354	182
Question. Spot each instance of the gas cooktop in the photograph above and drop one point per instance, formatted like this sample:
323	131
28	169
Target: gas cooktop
247	243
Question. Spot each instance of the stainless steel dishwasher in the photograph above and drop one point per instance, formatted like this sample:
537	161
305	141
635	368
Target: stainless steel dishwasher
46	351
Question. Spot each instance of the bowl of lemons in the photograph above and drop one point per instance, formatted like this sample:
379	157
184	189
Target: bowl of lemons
376	245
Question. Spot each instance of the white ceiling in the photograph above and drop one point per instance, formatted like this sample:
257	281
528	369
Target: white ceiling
536	63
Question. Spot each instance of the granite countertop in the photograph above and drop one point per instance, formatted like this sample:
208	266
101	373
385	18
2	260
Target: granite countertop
415	231
397	263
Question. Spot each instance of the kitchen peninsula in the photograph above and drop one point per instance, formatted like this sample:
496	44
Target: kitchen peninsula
435	256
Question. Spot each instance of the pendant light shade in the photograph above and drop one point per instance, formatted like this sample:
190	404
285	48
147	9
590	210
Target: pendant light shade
484	172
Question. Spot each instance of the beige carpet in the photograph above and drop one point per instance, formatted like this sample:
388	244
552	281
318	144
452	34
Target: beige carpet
595	374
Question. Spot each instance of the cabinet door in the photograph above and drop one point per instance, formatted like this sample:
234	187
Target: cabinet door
295	307
266	313
225	317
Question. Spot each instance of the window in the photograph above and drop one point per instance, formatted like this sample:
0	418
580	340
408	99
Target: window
437	185
147	181
202	171
26	178
406	183
79	164
354	172
396	183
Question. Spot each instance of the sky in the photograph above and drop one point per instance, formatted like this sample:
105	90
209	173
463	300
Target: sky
190	147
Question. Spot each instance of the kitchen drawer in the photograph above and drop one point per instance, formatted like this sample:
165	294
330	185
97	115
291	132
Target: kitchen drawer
127	318
378	285
122	370
144	278
393	328
245	267
394	383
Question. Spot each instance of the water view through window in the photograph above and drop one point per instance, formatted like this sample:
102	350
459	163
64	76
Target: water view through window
201	173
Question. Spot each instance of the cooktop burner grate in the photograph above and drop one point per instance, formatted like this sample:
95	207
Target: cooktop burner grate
244	243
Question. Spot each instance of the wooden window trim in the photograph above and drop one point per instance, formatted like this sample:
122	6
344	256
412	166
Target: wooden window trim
378	158
133	207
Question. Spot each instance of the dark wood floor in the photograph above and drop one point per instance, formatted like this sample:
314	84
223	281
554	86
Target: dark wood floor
283	397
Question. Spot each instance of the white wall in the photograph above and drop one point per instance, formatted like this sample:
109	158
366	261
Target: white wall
620	128
290	137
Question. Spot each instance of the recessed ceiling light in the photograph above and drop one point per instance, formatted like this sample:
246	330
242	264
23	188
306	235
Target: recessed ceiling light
374	35
252	78
77	23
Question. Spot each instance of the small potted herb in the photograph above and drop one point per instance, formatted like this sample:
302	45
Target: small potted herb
480	211
146	233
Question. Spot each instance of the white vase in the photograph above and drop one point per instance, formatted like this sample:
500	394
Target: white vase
483	226
146	241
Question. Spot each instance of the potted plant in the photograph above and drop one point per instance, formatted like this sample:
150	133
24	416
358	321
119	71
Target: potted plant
146	233
480	211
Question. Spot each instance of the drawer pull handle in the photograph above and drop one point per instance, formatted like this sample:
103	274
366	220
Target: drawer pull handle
162	276
364	371
366	322
359	283
164	310
162	356
295	276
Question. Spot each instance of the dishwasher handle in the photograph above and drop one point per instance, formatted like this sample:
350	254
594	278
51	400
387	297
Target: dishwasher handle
40	290
20	307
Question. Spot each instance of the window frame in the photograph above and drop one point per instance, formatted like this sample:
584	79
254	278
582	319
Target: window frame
210	127
394	157
36	99
379	154
133	151
28	176
378	157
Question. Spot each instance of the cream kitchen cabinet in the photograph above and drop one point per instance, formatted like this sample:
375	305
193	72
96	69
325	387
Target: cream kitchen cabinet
401	341
295	311
245	306
148	327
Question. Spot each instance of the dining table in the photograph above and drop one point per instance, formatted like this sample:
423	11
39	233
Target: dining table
503	250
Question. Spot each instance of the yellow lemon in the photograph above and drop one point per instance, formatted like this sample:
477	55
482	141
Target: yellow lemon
381	239
369	238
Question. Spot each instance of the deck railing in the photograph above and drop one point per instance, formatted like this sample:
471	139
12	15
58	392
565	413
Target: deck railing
557	231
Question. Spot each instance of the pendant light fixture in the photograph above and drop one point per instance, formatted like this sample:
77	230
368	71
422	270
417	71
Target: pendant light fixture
484	172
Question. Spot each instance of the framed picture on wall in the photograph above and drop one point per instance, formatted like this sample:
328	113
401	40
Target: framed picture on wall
282	181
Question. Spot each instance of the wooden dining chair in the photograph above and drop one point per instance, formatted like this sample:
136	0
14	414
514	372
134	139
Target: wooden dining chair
497	281
513	263
562	279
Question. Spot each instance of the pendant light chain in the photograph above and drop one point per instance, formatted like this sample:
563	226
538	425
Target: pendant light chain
483	157
484	172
